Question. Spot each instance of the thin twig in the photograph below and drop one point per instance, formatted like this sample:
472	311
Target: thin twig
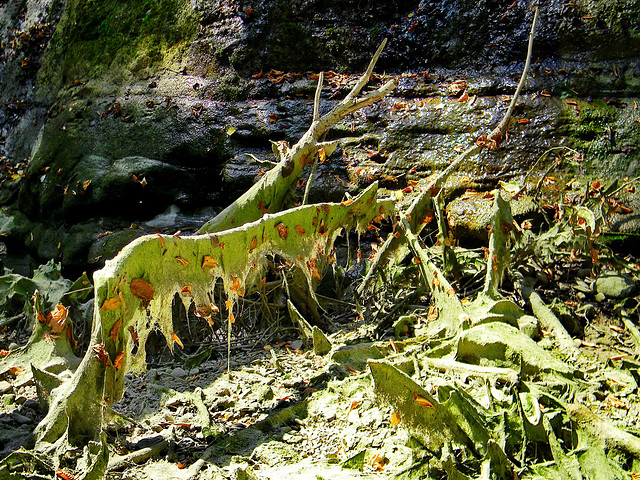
316	100
423	200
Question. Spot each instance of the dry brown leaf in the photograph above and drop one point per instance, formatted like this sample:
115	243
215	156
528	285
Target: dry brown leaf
118	361
378	463
209	262
134	334
143	290
254	244
182	261
110	304
57	318
115	330
16	371
101	354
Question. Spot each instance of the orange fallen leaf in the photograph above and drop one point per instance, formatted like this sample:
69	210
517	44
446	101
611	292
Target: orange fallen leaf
209	262
299	229
176	339
232	318
282	230
235	284
110	304
395	419
161	240
254	244
4	353
423	402
115	330
262	207
322	155
187	289
64	475
57	318
182	261
17	371
118	361
354	404
378	463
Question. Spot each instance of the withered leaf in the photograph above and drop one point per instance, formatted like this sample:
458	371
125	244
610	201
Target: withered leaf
263	208
134	334
110	304
101	354
299	229
187	289
57	318
177	339
378	463
282	230
142	289
182	261
235	284
254	244
115	330
17	371
209	262
118	360
395	419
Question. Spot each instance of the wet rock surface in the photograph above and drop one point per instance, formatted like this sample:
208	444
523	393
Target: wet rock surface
176	104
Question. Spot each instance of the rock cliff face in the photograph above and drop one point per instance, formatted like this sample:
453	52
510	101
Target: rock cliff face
144	111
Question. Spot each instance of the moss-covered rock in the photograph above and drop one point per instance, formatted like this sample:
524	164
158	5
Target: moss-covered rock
116	40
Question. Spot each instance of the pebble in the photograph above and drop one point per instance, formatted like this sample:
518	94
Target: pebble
288	438
615	285
5	387
21	419
178	372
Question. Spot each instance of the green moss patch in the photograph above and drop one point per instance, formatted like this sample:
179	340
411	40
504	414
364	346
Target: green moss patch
115	38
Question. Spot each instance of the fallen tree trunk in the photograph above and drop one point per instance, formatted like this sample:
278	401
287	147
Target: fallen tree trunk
134	293
270	192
